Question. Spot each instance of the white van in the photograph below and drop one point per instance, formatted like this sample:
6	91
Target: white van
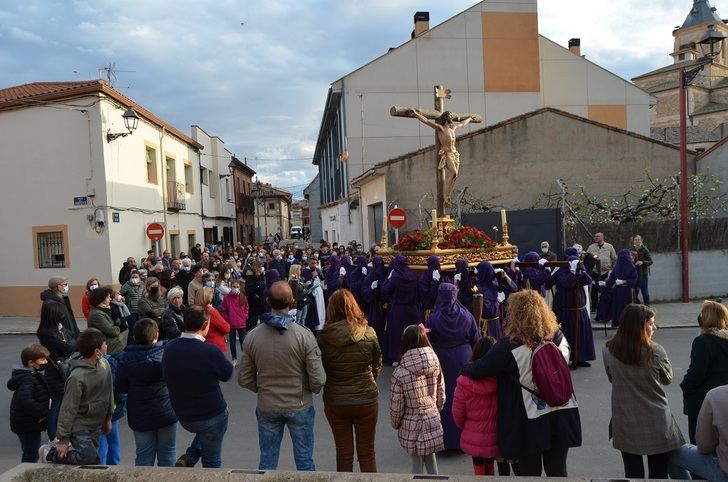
296	232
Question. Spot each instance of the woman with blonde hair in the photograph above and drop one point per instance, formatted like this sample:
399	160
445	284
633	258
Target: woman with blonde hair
708	361
531	432
219	328
352	361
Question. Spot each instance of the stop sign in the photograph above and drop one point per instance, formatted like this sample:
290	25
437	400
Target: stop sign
155	231
397	218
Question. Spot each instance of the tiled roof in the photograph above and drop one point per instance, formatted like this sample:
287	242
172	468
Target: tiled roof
702	12
35	89
668	68
712	148
711	107
671	135
28	95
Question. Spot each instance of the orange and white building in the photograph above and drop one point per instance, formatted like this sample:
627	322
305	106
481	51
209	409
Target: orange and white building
496	64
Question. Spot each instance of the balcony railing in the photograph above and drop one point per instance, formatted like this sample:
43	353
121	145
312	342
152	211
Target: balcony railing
175	196
246	204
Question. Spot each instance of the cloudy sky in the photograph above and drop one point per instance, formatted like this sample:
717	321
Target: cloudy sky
256	73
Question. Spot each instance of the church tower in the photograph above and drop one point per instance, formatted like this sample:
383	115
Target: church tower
701	17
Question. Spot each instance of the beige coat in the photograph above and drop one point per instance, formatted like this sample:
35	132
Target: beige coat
416	398
641	422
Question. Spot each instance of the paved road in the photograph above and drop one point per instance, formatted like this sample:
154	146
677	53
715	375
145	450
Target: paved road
596	458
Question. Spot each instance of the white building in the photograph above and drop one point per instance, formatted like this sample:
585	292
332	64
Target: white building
77	201
496	64
218	196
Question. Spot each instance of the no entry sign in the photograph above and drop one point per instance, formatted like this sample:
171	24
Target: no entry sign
155	231
397	218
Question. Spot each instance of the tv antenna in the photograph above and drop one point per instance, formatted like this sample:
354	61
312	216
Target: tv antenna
111	71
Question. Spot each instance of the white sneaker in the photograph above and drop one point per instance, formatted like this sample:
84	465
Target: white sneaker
395	364
235	362
44	451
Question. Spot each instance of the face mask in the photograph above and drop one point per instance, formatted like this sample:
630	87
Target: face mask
154	290
239	264
93	287
235	291
290	259
41	367
304	258
279	257
65	290
544	250
134	281
210	284
227	275
187	268
370	265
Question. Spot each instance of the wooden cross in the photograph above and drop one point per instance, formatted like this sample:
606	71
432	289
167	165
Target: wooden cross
440	94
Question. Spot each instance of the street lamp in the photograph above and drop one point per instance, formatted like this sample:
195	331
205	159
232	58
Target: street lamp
131	121
708	44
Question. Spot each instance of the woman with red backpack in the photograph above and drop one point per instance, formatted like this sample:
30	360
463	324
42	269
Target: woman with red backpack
538	418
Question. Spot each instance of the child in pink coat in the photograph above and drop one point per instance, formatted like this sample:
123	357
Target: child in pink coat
234	309
475	412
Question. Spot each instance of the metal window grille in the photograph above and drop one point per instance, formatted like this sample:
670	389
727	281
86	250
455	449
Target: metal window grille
51	252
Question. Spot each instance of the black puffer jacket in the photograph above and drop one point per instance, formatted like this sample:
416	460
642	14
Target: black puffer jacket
29	407
172	323
140	376
60	344
69	321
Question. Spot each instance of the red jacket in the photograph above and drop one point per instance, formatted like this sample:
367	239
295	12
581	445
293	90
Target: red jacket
233	312
85	305
475	411
218	329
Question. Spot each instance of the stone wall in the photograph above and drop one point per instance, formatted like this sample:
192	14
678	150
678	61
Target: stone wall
513	164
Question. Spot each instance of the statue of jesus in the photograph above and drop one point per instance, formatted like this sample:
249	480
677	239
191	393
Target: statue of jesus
449	156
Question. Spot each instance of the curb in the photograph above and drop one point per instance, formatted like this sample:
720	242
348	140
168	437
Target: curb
600	327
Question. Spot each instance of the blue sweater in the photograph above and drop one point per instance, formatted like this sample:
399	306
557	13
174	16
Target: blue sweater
193	370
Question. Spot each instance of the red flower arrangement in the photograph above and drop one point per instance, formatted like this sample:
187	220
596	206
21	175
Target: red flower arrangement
419	239
464	237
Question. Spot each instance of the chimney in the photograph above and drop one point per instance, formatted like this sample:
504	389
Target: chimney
422	23
575	46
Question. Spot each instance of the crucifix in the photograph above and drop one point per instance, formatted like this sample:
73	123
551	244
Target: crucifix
445	123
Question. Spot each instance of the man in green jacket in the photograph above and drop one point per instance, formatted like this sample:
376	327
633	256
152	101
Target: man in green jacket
88	403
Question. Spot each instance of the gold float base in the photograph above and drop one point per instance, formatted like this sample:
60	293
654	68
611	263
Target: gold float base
417	260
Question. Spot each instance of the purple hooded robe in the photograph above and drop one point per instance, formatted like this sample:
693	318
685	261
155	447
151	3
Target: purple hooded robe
331	276
271	276
428	286
453	333
372	303
570	309
489	286
465	285
400	291
622	295
533	278
355	277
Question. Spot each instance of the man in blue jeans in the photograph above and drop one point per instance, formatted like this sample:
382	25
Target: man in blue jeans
709	458
282	364
193	371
